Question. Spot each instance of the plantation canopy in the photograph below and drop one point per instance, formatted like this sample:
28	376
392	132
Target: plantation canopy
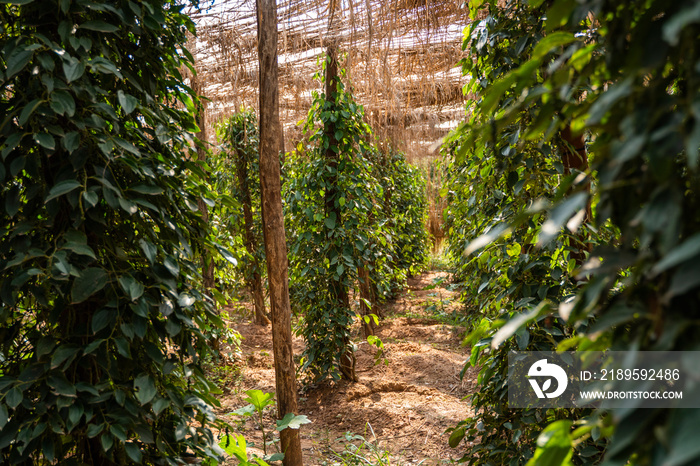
401	57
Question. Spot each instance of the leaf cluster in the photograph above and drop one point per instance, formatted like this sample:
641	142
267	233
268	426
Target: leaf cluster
345	213
236	163
100	321
625	76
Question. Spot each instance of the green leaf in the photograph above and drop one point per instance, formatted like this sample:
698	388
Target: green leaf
608	99
185	300
73	69
131	286
683	444
554	446
225	254
91	198
99	26
147	189
236	448
90	281
61	385
290	421
28	110
159	405
149	250
681	253
94	429
118	431
673	27
487	238
14	397
11	143
45	140
145	388
514	250
259	399
94	345
686	278
516	322
64	102
48	449
63	353
559	215
17	61
550	41
12	201
128	206
559	13
127	102
456	436
107	441
79	248
330	221
75	412
71	141
273	457
133	452
61	188
102	65
245	411
102	319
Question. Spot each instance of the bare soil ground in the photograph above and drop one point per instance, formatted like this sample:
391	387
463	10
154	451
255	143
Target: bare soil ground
402	407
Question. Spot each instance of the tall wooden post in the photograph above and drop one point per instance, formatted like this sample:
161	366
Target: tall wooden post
271	143
255	280
574	157
201	119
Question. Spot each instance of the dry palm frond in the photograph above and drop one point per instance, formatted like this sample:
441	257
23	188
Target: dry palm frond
401	57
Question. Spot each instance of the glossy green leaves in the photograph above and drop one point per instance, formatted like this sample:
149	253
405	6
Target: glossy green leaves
343	223
620	85
98	243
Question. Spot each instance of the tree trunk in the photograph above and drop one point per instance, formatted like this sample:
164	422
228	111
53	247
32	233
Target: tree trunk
201	119
271	141
366	297
575	158
255	280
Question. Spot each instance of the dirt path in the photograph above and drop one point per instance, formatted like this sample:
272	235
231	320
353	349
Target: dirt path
402	407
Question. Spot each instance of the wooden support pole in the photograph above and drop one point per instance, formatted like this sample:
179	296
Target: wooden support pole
271	143
201	119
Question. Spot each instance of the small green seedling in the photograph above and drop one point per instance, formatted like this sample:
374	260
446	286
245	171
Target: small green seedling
237	447
259	402
380	356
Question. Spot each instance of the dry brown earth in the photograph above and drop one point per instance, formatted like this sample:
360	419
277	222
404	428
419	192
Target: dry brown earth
402	407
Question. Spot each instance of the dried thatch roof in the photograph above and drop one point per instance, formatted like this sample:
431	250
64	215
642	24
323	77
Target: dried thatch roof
401	58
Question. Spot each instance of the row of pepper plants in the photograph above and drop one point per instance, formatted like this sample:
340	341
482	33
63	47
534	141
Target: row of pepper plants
573	214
